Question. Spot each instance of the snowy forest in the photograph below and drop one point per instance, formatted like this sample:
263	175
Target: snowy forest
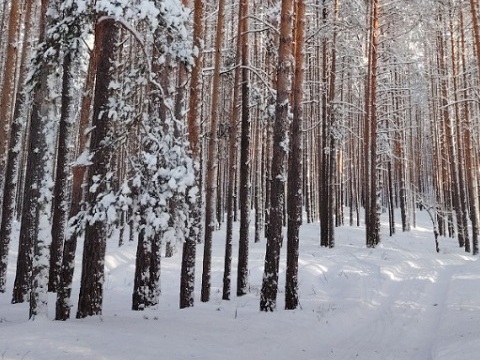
172	126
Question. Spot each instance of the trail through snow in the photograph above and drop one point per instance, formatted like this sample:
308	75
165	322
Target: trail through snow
401	301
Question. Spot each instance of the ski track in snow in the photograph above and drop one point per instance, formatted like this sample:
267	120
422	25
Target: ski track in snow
399	301
395	306
401	314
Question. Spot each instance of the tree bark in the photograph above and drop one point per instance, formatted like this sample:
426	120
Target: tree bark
8	86
470	158
187	279
268	296
37	150
14	155
39	167
244	193
232	163
62	310
372	216
295	176
60	191
212	160
92	278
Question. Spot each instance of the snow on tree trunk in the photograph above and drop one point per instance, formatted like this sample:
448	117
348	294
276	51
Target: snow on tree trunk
40	169
35	219
8	83
14	154
142	272
295	176
60	204
187	277
92	278
64	289
268	295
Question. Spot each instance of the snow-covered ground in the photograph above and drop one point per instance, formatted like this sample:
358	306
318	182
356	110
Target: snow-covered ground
401	300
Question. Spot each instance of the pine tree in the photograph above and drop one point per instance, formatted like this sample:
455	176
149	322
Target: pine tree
74	22
36	227
295	168
164	171
371	172
187	277
472	178
14	153
91	286
32	262
73	231
8	83
244	196
268	296
212	159
232	161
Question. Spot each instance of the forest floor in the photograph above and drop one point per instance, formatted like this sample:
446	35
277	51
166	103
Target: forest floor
400	300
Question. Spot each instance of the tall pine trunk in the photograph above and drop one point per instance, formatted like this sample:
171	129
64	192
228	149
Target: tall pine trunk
64	289
32	276
32	207
8	83
244	193
187	277
371	178
472	176
268	296
295	175
232	163
92	278
212	160
60	191
14	155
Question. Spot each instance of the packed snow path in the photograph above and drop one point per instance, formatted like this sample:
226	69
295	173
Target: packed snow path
403	308
400	300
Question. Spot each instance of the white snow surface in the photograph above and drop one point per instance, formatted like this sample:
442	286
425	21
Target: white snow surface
400	300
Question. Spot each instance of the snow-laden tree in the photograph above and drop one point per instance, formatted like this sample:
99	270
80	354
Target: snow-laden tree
56	33
126	97
14	150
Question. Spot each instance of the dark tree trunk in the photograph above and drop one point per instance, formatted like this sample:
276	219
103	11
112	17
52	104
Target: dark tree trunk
141	287
268	296
324	150
60	191
232	163
14	156
62	310
391	205
470	157
187	278
372	216
91	285
63	307
37	150
331	173
8	81
244	196
155	266
212	160
295	176
39	167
